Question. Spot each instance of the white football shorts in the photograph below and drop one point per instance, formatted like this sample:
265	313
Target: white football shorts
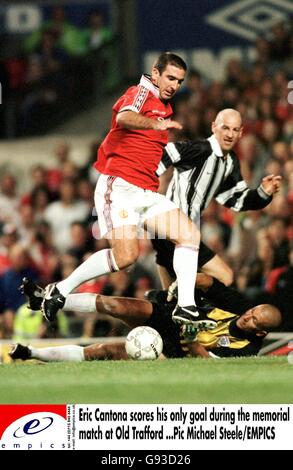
120	203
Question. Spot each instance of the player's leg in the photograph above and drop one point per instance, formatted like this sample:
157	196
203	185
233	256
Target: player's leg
123	252
97	352
72	353
133	312
217	268
124	245
176	226
52	354
118	225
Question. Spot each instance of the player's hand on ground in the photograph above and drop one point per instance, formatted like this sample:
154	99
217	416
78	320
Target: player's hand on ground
271	184
167	124
172	291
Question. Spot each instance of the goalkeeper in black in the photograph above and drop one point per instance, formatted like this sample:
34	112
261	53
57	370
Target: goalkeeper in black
240	329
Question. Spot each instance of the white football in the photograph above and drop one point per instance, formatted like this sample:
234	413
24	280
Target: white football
144	343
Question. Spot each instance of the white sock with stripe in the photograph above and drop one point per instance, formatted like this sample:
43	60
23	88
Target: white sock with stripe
96	265
81	303
185	263
58	353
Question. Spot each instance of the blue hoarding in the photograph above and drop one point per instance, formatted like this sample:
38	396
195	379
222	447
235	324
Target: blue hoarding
206	33
22	18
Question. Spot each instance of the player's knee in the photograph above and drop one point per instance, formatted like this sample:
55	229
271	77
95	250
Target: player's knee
188	240
127	256
190	237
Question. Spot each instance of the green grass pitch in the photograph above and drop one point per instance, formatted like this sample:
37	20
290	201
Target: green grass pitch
245	380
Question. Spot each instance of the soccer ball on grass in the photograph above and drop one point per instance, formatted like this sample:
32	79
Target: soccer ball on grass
143	343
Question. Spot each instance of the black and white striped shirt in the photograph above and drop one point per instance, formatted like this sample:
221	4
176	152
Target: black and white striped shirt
201	172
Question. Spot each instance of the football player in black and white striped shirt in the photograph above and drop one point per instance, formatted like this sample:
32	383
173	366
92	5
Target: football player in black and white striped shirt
205	169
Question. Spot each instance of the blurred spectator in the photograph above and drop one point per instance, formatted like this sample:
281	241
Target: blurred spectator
9	201
277	234
279	44
263	51
85	191
66	34
215	232
81	241
38	179
101	51
21	266
43	252
40	198
119	284
283	294
97	34
88	171
26	227
30	324
9	236
61	214
55	174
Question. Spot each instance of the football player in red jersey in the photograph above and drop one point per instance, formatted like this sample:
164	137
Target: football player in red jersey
126	195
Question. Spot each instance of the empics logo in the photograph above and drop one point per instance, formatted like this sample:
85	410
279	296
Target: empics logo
250	19
33	427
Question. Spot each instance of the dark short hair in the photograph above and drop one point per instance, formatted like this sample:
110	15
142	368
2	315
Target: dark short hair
167	58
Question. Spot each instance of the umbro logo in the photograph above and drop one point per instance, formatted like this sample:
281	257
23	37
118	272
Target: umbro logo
250	19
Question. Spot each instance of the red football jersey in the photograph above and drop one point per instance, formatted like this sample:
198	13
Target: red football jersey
133	154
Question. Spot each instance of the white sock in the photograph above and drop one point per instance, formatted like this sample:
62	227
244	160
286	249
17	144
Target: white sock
82	303
58	353
99	263
185	266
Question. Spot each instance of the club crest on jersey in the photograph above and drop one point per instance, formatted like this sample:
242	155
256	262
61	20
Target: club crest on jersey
123	214
224	342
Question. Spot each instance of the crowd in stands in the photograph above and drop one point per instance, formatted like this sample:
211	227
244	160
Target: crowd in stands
58	69
48	231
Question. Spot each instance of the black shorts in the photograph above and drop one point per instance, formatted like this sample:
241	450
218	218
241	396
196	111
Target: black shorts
161	320
165	252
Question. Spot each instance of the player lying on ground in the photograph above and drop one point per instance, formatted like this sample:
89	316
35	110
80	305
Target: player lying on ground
236	334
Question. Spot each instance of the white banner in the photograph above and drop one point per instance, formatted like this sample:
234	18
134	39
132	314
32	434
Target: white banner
180	427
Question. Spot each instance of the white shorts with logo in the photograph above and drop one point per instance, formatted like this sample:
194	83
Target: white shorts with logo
120	203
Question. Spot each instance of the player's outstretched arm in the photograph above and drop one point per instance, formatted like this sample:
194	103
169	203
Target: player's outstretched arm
132	120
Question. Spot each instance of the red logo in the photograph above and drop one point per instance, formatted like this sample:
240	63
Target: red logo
10	413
